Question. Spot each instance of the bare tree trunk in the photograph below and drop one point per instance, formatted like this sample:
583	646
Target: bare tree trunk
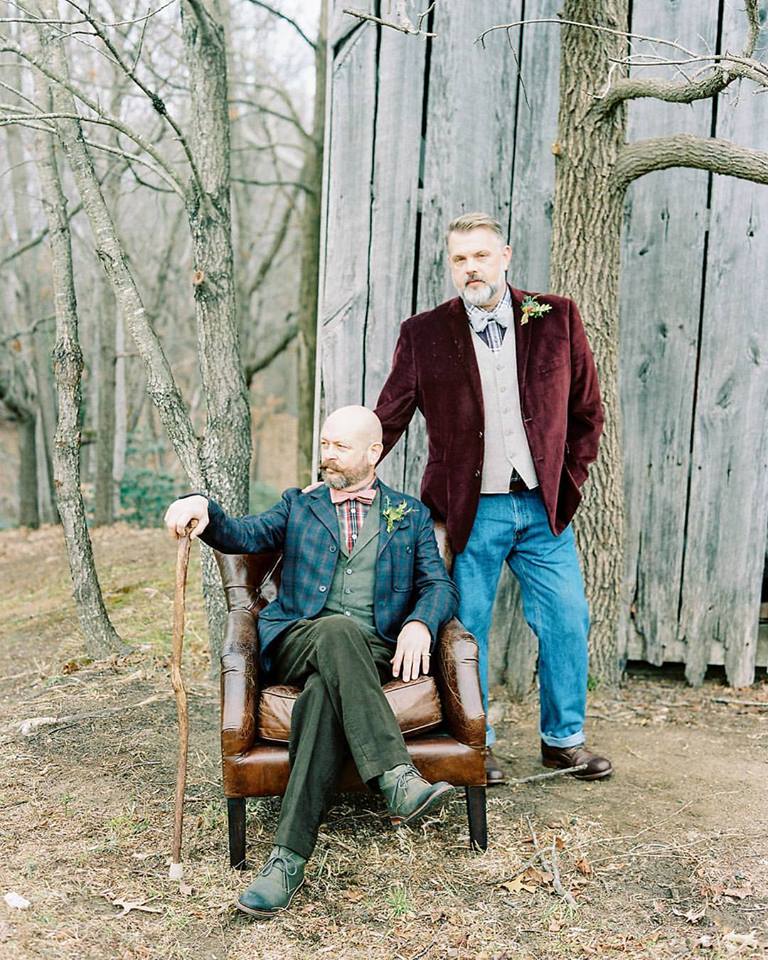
100	636
42	348
312	177
27	309
586	234
227	444
121	415
105	422
28	512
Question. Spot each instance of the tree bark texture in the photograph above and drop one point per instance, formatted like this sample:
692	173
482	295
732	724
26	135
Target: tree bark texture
100	636
226	448
585	259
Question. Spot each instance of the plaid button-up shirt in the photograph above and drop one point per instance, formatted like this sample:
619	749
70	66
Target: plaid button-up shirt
352	514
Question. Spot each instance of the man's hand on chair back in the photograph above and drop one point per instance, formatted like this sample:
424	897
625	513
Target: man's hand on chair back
181	512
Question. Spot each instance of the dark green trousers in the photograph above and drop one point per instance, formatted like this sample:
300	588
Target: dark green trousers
341	711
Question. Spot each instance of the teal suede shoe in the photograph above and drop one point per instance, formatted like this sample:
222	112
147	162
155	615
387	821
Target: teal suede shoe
410	797
278	881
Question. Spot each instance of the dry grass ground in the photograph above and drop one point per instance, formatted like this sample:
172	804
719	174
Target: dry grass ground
667	859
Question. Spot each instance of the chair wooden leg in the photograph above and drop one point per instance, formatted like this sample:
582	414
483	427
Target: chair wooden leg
236	822
478	828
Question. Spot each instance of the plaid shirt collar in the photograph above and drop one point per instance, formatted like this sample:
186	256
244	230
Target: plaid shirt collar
493	333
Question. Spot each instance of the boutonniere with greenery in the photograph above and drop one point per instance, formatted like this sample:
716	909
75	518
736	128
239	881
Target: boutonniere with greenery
394	514
532	308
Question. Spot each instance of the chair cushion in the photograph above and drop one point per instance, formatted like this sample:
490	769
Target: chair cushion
415	704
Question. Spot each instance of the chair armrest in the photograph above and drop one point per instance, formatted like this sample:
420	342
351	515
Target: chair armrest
459	681
239	682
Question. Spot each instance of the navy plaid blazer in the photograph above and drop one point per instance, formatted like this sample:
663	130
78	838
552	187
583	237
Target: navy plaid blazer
411	580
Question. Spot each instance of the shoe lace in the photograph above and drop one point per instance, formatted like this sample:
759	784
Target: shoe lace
281	863
401	784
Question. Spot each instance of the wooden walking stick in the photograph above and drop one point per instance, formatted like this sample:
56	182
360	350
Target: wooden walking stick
176	871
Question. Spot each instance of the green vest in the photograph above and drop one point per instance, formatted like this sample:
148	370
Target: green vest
353	587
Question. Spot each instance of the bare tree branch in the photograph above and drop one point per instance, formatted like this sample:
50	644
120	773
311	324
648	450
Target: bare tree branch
8	46
293	185
403	23
728	68
30	120
274	249
30	330
597	27
282	16
154	98
685	150
262	362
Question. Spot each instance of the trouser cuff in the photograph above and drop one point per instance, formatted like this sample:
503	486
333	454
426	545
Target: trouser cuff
575	740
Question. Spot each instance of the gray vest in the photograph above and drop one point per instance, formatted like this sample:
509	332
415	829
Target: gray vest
352	589
506	444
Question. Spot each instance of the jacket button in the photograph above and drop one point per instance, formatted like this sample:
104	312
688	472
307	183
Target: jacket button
477	473
348	571
321	589
480	434
332	549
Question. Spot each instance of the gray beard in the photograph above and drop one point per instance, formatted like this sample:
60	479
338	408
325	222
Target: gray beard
339	481
477	296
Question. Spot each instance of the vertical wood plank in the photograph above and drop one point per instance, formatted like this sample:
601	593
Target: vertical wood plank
662	256
728	509
348	218
395	193
533	177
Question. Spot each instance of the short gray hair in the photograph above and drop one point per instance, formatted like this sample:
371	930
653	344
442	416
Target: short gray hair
471	221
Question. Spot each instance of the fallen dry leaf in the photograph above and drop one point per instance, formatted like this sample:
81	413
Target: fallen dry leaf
583	866
517	884
738	893
742	940
692	916
353	895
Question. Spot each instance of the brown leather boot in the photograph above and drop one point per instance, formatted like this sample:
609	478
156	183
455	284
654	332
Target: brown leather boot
494	775
564	757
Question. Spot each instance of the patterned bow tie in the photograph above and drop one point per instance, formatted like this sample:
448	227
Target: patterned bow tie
502	313
364	496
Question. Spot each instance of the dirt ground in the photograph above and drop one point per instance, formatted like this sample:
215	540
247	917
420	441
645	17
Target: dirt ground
669	858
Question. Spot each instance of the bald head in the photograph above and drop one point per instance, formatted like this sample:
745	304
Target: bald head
359	422
350	446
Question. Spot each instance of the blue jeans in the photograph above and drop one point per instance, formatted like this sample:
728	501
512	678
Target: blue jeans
514	527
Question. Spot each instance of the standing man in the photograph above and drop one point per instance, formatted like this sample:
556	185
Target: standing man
508	388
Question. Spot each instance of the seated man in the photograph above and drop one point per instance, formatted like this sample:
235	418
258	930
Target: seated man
363	595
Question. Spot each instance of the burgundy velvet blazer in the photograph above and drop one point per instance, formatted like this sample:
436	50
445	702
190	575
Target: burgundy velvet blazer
435	369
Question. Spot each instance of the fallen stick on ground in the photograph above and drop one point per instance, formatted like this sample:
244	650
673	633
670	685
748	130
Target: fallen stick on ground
27	727
742	703
557	883
549	775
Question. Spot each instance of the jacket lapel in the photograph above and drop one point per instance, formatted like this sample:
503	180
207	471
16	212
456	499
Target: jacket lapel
320	504
371	526
394	500
522	340
461	334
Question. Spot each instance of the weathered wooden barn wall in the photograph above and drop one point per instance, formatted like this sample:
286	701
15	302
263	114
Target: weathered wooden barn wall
420	130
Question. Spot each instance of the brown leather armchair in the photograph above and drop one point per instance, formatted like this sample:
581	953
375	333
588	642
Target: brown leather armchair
441	716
